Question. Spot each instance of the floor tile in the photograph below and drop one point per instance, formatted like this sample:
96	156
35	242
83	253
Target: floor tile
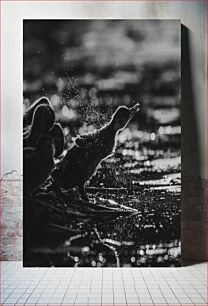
83	286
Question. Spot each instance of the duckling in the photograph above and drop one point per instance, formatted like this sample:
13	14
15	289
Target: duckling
42	121
81	161
37	163
28	115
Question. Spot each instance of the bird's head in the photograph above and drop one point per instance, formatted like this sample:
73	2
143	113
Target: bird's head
28	115
122	116
40	101
43	119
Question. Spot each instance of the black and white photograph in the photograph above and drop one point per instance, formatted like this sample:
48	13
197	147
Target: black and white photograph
101	143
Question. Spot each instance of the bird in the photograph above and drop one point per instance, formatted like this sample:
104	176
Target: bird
28	115
39	119
88	151
38	163
42	121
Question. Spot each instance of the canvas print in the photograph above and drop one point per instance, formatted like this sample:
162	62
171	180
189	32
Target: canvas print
101	143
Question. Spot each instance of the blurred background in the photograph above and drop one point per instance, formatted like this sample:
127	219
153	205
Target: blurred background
87	68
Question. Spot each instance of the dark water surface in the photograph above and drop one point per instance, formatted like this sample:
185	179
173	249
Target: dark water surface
151	184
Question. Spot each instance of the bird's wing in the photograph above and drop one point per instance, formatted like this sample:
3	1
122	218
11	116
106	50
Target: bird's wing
87	140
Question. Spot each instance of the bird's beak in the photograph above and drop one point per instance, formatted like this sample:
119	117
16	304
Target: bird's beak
134	109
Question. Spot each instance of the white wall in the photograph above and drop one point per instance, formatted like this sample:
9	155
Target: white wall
191	13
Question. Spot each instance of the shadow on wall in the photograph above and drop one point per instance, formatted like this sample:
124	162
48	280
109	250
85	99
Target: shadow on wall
193	231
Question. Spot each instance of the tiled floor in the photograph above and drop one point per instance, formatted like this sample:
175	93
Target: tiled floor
81	286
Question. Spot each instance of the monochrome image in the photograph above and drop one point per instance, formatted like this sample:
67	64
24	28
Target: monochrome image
101	143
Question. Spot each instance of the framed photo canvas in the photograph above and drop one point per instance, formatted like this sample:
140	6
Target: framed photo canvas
102	142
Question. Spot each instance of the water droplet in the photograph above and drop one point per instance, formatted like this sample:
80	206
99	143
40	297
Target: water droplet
152	136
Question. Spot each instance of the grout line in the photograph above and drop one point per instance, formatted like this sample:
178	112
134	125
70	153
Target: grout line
123	285
147	287
74	270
